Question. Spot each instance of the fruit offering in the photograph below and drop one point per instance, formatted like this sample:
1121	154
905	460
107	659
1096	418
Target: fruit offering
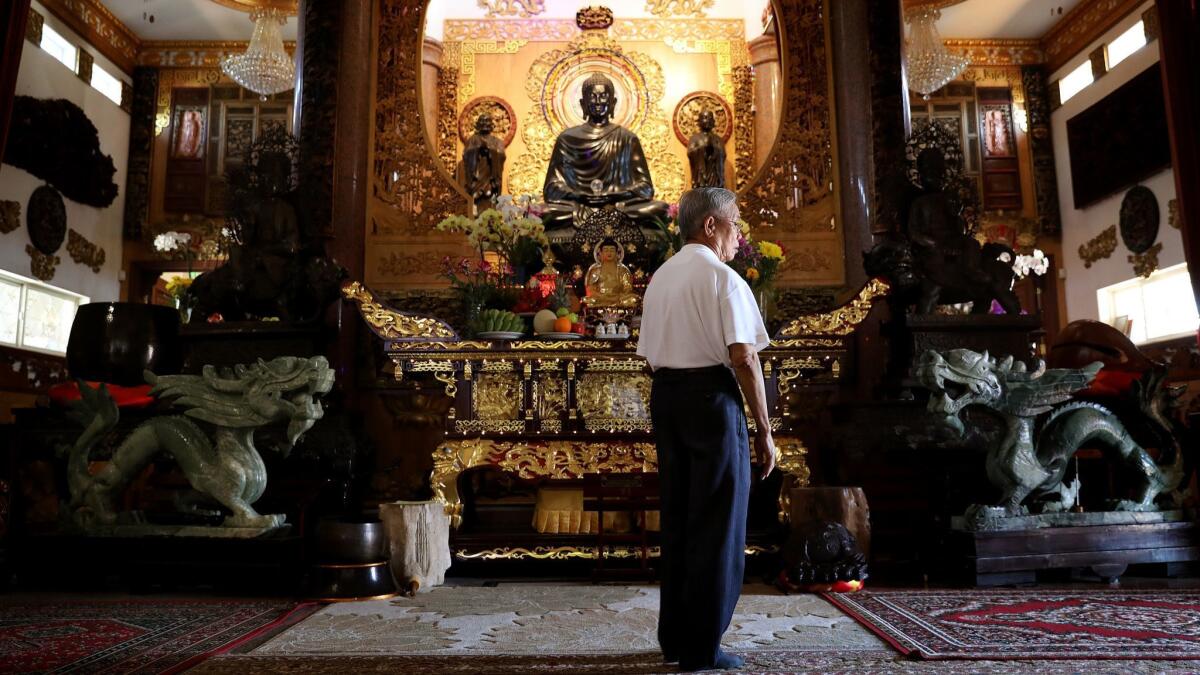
496	320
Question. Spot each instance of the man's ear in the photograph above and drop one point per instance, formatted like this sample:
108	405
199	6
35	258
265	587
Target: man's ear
710	225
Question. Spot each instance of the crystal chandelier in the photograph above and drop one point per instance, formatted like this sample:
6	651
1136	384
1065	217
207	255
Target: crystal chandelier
265	68
928	65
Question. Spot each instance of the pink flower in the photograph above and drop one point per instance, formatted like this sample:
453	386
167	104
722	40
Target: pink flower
673	211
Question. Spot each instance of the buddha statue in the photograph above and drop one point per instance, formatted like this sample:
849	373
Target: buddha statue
483	163
598	164
706	153
608	281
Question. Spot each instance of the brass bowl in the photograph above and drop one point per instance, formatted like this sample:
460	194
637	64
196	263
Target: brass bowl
351	539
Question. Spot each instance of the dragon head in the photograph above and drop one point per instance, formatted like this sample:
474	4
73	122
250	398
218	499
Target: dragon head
963	378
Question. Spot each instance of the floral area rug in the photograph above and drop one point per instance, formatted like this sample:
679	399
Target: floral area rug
127	636
567	619
1032	624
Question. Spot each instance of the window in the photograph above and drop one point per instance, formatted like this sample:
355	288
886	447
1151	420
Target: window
1159	308
106	84
37	316
59	47
1074	81
1126	43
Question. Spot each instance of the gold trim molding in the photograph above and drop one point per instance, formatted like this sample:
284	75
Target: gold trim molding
667	8
841	321
998	52
565	30
92	21
194	53
1082	25
289	7
168	79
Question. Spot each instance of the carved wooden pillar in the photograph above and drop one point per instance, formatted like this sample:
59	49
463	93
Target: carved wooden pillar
849	32
431	68
889	112
768	99
1179	42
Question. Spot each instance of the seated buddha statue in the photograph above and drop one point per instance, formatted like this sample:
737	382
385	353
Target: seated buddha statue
609	282
598	164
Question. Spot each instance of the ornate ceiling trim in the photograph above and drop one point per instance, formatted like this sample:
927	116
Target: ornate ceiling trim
667	8
193	53
997	52
289	7
1081	26
103	31
910	5
565	30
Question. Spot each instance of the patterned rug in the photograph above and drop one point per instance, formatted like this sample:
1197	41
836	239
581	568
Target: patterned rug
543	619
825	662
1032	624
128	636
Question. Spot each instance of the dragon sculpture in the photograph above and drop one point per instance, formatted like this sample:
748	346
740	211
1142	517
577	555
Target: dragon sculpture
212	441
1044	428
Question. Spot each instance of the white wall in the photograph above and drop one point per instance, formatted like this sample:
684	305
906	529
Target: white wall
1081	225
43	77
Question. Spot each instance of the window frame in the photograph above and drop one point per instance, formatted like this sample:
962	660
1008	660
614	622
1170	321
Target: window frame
1106	306
105	74
59	38
25	284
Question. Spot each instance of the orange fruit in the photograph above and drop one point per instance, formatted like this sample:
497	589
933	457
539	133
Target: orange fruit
562	325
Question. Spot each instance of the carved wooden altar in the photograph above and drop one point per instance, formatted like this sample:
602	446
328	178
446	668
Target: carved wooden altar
555	410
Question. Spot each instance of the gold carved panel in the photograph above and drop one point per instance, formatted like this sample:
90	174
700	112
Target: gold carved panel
613	396
497	396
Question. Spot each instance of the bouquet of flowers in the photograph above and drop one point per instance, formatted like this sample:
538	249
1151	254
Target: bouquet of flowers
758	262
478	286
177	288
513	229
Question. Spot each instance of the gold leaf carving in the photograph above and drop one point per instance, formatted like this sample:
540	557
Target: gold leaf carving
743	139
1144	264
1099	247
1173	214
390	324
666	8
522	8
496	396
84	252
10	216
565	30
841	321
611	396
42	266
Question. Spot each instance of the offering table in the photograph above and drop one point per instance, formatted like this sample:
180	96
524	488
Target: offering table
554	410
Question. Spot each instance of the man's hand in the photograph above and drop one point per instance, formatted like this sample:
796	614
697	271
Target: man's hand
764	449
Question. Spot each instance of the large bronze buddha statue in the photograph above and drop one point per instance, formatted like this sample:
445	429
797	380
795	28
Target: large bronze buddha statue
598	164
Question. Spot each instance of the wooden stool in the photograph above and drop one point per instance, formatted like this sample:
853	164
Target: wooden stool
634	492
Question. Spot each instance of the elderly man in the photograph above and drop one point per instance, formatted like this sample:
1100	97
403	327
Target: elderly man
701	332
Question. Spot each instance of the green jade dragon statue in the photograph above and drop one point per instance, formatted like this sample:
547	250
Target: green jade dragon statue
1043	429
212	441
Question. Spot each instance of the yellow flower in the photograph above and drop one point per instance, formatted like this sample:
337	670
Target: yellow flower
745	227
770	249
751	274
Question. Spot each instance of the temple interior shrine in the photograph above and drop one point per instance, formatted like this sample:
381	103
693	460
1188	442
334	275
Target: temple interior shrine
321	332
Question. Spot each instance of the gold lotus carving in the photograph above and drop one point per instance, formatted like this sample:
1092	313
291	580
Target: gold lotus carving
390	324
84	252
1099	247
41	266
841	321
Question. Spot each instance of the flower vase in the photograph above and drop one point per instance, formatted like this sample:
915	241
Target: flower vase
766	302
185	311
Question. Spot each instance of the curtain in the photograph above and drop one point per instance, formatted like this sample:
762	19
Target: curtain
14	14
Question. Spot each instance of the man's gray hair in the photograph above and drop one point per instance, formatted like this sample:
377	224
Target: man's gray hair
700	203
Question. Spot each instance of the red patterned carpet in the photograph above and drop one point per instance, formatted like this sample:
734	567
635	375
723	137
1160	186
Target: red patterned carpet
128	636
1033	624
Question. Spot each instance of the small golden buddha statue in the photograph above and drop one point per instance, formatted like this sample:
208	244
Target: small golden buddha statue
608	281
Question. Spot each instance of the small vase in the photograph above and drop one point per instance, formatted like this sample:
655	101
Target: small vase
766	300
185	311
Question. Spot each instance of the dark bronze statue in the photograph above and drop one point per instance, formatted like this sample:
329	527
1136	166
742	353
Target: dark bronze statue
274	269
598	164
483	163
706	153
938	262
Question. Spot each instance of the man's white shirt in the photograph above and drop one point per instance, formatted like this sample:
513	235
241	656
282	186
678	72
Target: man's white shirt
695	307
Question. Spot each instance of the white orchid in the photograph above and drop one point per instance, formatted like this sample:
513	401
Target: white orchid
1035	263
170	241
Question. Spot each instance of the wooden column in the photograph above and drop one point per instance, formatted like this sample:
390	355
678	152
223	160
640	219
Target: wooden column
1179	42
